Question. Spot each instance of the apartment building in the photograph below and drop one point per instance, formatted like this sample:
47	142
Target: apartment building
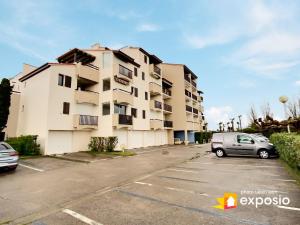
127	93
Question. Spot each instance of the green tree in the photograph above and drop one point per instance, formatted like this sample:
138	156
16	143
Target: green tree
5	93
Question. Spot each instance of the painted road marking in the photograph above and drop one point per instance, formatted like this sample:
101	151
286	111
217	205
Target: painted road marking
81	217
174	189
32	168
285	180
187	171
286	207
137	182
231	164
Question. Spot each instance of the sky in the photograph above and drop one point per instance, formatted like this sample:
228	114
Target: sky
244	52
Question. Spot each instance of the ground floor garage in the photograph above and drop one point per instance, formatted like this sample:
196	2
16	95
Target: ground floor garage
181	135
59	142
129	139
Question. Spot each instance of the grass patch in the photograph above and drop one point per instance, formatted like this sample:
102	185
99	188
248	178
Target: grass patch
112	154
293	172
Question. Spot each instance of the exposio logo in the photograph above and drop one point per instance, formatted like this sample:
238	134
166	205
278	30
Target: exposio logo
230	200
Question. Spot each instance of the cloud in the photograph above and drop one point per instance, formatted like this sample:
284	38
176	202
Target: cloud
147	27
247	84
216	114
297	82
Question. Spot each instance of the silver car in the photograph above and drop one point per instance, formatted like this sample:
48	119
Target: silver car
8	156
241	144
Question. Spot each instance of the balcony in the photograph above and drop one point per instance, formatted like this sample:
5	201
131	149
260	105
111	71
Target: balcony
155	71
187	95
194	84
154	88
155	105
201	108
166	93
200	98
122	121
89	73
122	97
195	111
188	109
87	97
156	124
167	108
194	97
187	78
85	122
168	124
124	73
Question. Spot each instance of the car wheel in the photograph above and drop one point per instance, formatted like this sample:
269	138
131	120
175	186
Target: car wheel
264	154
220	153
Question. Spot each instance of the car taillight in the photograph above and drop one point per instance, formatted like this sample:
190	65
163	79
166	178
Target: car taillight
13	153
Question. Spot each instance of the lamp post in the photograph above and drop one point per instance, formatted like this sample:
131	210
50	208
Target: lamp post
283	99
240	116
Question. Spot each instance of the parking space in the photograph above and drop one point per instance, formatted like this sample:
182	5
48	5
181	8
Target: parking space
185	193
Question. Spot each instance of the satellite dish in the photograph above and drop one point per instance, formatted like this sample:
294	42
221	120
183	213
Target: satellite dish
283	99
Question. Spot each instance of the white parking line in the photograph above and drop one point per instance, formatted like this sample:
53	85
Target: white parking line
231	164
32	168
173	189
137	182
286	207
285	180
187	171
81	217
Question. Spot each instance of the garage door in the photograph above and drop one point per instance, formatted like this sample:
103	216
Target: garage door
59	142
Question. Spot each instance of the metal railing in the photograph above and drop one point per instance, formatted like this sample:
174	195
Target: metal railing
88	120
124	71
187	93
157	70
167	107
187	78
167	91
189	108
195	111
125	119
168	123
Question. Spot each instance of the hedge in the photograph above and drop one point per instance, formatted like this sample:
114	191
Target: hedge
202	137
25	145
101	144
288	147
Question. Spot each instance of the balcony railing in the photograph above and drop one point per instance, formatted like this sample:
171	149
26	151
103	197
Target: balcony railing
157	104
187	93
188	108
167	92
88	120
194	83
125	72
168	123
195	111
88	73
125	119
122	97
187	78
87	97
154	88
194	97
167	107
157	70
156	124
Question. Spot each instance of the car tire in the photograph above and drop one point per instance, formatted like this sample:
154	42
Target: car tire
220	153
264	154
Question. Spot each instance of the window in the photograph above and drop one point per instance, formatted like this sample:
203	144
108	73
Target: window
132	90
68	81
134	112
60	80
105	109
106	84
135	71
244	139
144	114
120	109
3	147
145	59
146	95
143	76
136	94
66	108
64	80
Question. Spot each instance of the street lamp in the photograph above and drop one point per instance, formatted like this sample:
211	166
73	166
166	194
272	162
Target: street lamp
283	99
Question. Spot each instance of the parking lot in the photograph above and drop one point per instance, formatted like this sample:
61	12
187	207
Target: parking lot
176	185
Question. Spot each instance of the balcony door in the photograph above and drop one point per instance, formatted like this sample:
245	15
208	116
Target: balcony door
120	109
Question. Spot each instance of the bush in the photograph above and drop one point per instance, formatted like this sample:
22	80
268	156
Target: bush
25	145
203	137
288	147
101	144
